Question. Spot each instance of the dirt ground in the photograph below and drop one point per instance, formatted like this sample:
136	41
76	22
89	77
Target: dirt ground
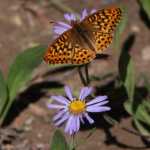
25	23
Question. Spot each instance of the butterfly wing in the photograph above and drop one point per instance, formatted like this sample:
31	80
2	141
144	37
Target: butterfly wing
68	49
101	25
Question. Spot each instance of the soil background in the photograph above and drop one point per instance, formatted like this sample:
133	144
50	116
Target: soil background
25	23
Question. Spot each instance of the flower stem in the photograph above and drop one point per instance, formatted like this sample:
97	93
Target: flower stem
81	76
87	74
73	144
84	79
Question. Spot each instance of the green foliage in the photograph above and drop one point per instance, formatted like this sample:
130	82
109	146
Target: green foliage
142	114
120	27
21	69
146	6
126	72
141	117
129	82
19	73
141	128
3	93
59	142
135	105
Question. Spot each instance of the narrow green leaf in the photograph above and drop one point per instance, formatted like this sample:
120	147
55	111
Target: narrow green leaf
59	142
126	68
120	27
130	80
146	82
146	104
21	69
3	93
128	107
110	120
146	6
141	128
142	114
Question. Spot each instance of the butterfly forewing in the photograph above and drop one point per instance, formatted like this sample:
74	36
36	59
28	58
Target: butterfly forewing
104	20
101	25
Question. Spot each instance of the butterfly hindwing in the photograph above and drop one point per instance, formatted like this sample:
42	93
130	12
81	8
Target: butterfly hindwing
60	51
67	49
82	55
101	41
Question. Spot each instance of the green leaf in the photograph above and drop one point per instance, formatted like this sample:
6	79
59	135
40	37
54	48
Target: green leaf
130	80
120	27
21	69
146	6
146	104
3	93
110	120
20	72
142	114
146	82
126	68
59	142
141	128
128	107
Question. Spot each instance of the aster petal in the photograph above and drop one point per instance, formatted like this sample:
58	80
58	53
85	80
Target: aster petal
59	27
85	92
73	17
67	16
55	106
73	126
59	114
84	14
81	119
69	125
93	11
63	119
68	92
59	30
77	123
97	108
99	104
60	99
90	120
65	25
97	100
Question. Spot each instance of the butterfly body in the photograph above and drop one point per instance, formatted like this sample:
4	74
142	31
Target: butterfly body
85	39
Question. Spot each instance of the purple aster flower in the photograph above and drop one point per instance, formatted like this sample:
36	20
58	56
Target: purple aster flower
73	110
60	27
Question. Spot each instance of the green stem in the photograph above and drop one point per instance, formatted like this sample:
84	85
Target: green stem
73	144
5	113
81	76
85	80
87	75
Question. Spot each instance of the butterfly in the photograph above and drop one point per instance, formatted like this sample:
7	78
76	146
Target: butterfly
85	39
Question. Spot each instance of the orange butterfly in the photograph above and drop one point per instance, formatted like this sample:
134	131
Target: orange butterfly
82	40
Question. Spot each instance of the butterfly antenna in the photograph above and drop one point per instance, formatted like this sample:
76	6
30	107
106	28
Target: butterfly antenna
52	22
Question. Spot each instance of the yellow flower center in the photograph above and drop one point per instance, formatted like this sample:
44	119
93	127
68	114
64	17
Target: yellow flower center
77	106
